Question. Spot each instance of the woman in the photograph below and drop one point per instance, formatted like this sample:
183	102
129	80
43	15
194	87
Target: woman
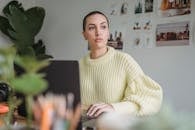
111	80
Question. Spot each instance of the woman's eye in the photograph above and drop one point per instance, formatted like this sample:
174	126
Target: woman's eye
104	27
91	28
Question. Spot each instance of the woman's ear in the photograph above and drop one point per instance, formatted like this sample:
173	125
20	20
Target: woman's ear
84	35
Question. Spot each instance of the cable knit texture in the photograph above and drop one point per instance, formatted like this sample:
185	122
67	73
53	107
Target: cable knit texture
117	79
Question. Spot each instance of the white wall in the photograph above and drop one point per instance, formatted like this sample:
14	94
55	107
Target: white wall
173	67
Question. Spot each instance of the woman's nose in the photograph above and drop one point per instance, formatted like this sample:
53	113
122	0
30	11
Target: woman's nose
97	32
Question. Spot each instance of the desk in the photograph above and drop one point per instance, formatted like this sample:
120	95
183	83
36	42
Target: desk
89	124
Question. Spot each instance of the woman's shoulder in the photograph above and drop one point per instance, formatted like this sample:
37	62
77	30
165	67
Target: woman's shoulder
126	59
82	61
128	62
123	55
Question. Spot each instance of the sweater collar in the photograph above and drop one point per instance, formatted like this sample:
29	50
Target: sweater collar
101	59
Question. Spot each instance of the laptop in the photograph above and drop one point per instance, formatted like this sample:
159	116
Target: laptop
62	77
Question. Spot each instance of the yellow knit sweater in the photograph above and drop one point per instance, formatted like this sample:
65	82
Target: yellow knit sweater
117	79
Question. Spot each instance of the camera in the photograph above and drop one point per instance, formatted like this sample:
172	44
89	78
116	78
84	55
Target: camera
4	91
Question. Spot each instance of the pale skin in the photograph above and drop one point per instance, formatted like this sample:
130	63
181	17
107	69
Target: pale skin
97	33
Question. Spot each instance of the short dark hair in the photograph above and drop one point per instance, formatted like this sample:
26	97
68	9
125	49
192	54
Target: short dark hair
92	13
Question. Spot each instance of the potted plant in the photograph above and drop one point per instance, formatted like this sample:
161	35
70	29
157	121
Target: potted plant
21	26
30	83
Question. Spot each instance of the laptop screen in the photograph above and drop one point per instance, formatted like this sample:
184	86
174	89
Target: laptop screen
63	78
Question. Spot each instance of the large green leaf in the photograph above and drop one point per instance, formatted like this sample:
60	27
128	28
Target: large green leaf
7	56
29	84
35	17
5	26
6	10
39	49
31	64
26	51
21	26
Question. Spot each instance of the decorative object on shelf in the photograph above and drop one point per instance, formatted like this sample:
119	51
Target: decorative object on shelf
21	26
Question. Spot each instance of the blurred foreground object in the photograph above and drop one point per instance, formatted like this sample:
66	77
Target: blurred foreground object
4	92
115	121
56	112
30	83
3	108
166	119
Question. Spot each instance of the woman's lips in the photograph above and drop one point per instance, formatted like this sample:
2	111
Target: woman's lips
98	39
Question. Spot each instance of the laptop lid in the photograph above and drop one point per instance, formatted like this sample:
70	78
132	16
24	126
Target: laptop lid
63	78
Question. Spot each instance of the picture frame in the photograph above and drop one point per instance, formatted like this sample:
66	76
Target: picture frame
173	34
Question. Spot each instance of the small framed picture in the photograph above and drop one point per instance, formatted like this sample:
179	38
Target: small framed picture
173	34
138	7
149	6
168	8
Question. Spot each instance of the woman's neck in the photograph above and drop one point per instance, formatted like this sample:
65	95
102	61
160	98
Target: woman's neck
98	53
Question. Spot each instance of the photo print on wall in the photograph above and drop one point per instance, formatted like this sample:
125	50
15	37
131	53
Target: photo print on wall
149	6
173	34
116	40
144	25
169	8
142	40
143	6
142	33
119	8
124	8
114	8
138	7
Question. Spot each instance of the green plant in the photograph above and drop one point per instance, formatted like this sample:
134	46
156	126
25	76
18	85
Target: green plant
30	83
21	26
6	75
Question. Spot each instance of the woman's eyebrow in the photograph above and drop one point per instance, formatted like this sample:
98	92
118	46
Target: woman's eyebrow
91	24
103	23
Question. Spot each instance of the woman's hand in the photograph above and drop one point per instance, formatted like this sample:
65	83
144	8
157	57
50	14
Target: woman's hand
97	109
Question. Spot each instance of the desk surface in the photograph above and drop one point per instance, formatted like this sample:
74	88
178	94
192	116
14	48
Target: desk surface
89	124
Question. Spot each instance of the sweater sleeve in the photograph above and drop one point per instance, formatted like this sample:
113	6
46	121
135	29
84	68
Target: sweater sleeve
142	96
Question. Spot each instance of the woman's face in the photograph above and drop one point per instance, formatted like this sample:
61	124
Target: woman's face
96	31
